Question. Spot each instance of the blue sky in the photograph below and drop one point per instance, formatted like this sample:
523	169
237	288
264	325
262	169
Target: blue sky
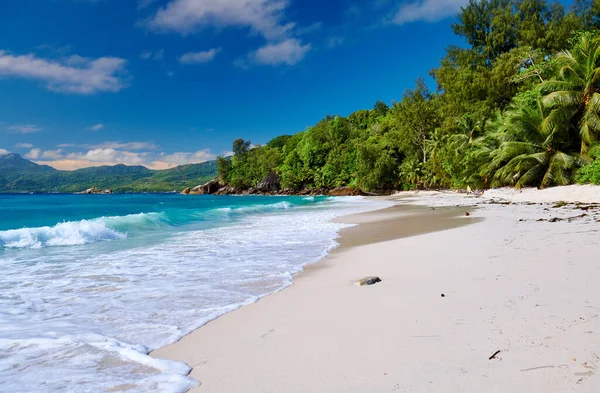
168	82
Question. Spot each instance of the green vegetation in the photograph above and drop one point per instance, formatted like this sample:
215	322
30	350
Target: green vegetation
519	105
20	175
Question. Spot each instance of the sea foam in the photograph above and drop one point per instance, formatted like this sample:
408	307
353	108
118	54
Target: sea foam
63	234
84	318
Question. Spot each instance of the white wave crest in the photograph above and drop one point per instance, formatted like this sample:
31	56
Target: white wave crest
63	234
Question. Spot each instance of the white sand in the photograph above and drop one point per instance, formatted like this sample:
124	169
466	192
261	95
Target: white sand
585	194
527	288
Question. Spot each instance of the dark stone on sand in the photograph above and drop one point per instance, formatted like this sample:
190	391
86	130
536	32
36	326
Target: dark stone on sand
369	281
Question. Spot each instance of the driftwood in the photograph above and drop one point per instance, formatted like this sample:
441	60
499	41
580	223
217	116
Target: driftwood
494	355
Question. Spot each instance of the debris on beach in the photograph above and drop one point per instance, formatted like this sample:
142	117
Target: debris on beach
372	280
494	355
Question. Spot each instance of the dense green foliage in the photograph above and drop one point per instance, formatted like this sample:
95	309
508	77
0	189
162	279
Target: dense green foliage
519	105
20	175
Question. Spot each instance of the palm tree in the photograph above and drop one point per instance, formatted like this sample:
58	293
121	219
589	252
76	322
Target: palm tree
534	150
574	94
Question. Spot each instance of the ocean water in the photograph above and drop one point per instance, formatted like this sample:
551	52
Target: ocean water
90	284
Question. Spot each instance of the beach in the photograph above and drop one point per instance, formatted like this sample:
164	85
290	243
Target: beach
518	276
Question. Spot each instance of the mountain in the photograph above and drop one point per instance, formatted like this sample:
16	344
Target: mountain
20	175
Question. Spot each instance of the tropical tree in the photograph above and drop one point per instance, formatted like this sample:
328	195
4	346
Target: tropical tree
574	94
534	150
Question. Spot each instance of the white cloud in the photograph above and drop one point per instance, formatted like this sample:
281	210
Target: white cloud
91	158
24	145
175	159
109	155
53	154
199	57
3	152
186	16
75	74
113	153
25	128
97	127
34	154
123	145
427	10
289	52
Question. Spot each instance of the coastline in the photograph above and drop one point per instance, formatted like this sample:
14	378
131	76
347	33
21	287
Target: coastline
508	286
402	220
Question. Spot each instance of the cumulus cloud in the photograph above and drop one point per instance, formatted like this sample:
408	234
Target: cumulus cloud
34	154
186	16
199	57
25	128
263	17
110	155
3	152
427	10
118	154
97	127
53	154
176	159
288	52
74	74
24	145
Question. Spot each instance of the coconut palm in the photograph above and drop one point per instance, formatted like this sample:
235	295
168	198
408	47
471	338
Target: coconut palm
534	150
574	94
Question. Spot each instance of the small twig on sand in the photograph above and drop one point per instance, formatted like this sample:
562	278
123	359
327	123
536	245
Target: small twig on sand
494	355
537	368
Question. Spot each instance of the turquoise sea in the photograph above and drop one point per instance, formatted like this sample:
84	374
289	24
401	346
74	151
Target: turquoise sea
90	284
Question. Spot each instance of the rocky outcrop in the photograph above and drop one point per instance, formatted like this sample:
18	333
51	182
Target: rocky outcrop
94	190
271	183
344	191
208	188
227	190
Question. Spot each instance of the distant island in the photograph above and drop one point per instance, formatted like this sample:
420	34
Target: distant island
18	175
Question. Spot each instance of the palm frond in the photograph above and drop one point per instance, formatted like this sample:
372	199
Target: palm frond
563	98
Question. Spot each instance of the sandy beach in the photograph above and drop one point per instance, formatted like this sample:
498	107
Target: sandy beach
518	275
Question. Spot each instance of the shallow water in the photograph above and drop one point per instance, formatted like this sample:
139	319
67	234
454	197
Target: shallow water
91	283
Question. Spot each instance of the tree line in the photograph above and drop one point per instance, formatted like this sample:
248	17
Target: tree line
519	105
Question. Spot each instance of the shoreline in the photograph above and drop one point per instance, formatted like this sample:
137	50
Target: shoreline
366	230
508	286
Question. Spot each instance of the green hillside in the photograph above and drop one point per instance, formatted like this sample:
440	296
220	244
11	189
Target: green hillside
20	175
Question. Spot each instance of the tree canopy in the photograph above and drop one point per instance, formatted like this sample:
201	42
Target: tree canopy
517	105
